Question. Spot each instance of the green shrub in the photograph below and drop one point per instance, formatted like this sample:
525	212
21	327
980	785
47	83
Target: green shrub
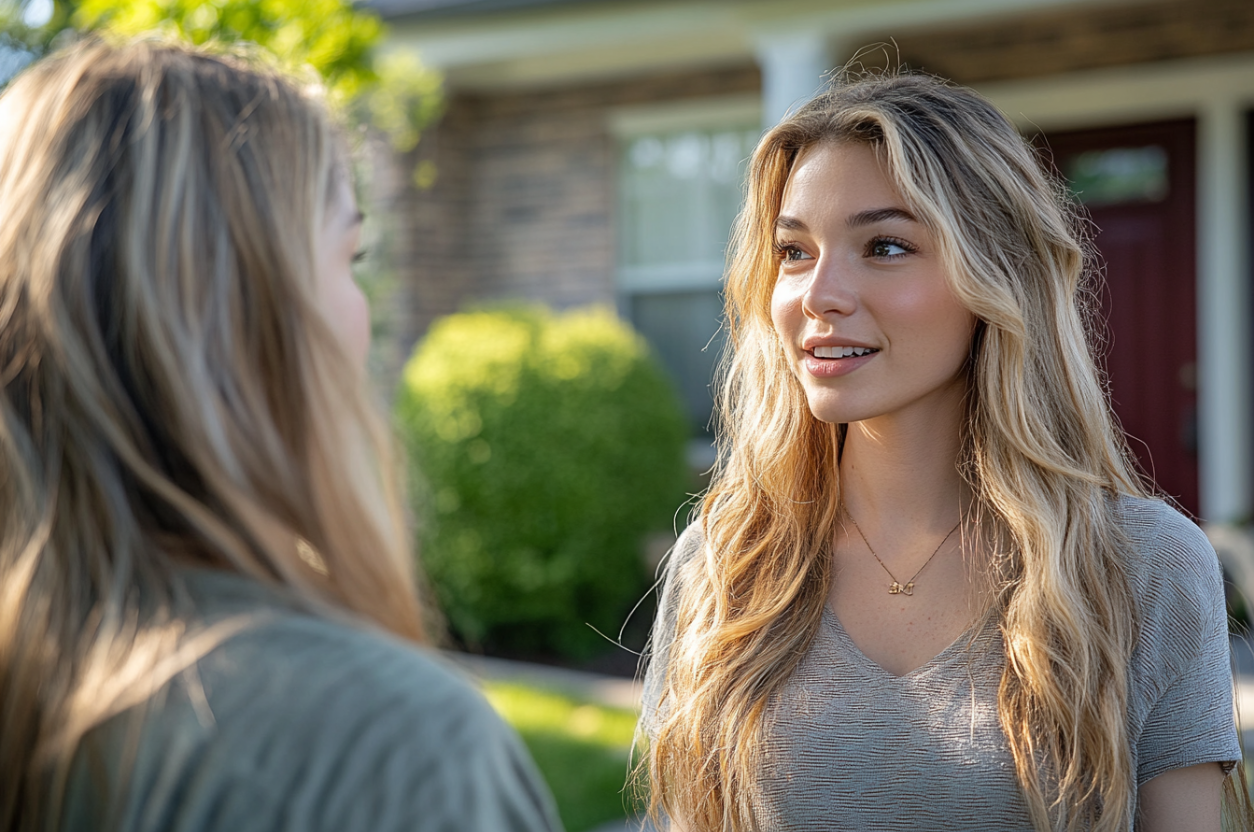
547	446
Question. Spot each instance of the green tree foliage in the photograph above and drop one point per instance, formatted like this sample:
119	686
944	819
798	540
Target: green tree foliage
547	446
335	38
328	35
21	41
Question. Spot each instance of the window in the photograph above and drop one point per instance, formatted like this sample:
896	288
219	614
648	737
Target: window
679	192
1119	175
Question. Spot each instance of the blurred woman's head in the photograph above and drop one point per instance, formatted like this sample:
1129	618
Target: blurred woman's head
181	361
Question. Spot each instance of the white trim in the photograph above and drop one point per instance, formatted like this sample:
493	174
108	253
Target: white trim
728	111
697	276
793	68
1127	94
1223	299
717	113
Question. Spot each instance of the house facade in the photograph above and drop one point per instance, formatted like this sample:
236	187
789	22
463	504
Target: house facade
592	152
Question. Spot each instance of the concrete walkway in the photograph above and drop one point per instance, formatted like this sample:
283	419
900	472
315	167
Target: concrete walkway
607	690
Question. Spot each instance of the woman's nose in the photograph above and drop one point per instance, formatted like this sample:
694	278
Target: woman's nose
829	291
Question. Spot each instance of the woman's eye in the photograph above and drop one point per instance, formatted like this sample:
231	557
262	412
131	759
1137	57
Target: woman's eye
790	254
889	248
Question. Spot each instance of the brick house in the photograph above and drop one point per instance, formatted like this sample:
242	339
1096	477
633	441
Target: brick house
592	152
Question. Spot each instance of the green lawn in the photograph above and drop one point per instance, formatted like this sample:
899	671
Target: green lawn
583	750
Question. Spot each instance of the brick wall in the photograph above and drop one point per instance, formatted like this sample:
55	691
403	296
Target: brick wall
523	201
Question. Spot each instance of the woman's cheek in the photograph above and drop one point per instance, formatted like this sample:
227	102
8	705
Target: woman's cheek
356	333
785	307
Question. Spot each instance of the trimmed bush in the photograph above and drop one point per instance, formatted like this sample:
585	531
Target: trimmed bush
546	446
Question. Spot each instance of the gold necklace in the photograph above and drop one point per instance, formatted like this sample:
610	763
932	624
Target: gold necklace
896	587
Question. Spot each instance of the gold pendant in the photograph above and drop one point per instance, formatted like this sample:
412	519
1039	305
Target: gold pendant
897	589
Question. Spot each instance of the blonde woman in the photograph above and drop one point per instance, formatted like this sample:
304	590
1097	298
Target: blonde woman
207	613
926	588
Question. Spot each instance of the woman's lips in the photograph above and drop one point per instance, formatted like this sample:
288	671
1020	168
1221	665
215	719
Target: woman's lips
833	367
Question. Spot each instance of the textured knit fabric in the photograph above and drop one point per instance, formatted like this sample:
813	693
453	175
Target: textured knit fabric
847	745
301	724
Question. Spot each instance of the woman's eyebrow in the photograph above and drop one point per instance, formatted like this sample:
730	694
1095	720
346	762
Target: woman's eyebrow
879	214
862	218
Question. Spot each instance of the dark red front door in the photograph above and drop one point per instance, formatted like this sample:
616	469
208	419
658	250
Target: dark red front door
1137	184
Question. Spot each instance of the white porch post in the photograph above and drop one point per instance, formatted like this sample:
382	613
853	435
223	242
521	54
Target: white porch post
1224	348
793	67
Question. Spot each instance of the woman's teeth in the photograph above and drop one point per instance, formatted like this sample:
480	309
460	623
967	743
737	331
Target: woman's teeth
841	352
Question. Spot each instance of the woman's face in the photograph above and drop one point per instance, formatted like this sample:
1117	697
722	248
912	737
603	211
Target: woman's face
339	297
861	304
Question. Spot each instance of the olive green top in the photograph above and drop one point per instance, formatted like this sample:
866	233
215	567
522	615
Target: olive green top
301	723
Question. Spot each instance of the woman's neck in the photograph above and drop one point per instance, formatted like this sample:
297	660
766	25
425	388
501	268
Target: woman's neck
903	473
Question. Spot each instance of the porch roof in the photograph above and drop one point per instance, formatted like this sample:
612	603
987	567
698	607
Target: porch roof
491	44
418	10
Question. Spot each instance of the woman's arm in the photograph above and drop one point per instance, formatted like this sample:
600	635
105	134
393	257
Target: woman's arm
1182	800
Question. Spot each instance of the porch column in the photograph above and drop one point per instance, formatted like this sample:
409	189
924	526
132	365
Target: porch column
1225	368
793	68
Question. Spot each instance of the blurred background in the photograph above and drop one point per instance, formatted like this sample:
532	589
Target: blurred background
550	186
592	152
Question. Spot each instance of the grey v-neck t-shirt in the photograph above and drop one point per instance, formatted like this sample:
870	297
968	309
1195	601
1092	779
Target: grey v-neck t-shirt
299	724
848	746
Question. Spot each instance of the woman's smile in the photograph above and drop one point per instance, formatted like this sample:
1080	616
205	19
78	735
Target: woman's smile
831	361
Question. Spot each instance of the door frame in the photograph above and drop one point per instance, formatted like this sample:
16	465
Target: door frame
1217	91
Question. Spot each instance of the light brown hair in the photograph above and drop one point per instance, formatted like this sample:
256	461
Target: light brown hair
1040	453
170	394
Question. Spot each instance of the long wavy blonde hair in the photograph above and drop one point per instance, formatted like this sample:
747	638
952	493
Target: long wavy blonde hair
1040	452
170	394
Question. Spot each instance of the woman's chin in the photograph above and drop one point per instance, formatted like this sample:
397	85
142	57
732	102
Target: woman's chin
836	414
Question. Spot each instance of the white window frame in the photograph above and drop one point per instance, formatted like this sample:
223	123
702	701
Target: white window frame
630	123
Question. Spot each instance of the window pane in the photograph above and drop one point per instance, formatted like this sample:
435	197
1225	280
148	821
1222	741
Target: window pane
683	328
1119	175
679	196
680	193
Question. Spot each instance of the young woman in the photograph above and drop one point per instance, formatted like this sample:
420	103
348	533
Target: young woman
207	612
927	588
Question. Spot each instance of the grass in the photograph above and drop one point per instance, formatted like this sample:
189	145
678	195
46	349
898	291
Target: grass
583	750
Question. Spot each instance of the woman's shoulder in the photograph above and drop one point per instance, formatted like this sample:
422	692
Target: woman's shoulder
335	665
1166	549
330	672
687	547
310	656
675	569
1178	587
295	713
1180	698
